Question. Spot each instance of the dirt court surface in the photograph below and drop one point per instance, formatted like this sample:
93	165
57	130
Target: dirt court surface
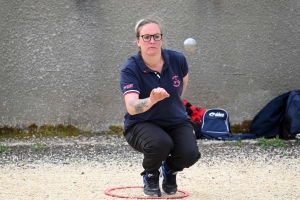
83	168
226	180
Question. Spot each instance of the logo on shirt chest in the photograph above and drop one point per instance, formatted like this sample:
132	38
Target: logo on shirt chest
176	82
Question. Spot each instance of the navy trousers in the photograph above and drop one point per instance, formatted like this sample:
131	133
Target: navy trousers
176	144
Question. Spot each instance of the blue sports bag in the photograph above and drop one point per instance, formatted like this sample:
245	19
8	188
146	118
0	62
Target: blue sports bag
215	124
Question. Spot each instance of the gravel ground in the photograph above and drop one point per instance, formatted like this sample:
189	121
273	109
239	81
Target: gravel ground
84	167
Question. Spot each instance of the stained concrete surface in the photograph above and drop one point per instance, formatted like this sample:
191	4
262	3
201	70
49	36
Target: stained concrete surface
60	60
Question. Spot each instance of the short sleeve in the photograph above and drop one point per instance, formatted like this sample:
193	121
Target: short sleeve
128	80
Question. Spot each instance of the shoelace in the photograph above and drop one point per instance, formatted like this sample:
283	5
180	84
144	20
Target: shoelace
152	180
152	184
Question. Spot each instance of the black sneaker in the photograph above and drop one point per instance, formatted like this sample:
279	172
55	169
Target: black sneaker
169	185
151	184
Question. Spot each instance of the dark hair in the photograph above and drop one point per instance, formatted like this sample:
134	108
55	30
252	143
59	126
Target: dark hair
143	22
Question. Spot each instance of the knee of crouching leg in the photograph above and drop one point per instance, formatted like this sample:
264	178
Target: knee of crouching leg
192	158
159	147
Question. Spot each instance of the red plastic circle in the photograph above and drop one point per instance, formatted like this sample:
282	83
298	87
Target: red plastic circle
108	192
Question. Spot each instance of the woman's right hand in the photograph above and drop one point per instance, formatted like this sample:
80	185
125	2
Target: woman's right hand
158	94
135	105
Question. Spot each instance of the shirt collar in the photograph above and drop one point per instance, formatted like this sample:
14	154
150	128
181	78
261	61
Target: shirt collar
139	61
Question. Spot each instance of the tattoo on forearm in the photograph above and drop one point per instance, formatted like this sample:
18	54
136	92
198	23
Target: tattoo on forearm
139	105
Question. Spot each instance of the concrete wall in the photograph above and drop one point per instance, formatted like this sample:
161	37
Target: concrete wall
60	59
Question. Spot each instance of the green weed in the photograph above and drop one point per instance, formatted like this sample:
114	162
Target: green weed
239	142
4	149
276	142
49	130
114	130
38	146
287	155
46	130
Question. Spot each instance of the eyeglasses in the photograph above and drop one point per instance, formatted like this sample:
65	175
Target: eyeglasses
147	38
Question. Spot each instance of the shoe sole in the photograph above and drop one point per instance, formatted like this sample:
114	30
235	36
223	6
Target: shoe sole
172	193
146	195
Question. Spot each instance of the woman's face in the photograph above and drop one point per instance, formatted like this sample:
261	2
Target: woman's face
152	47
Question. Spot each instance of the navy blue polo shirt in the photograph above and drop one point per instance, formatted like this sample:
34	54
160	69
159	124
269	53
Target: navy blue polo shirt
137	77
